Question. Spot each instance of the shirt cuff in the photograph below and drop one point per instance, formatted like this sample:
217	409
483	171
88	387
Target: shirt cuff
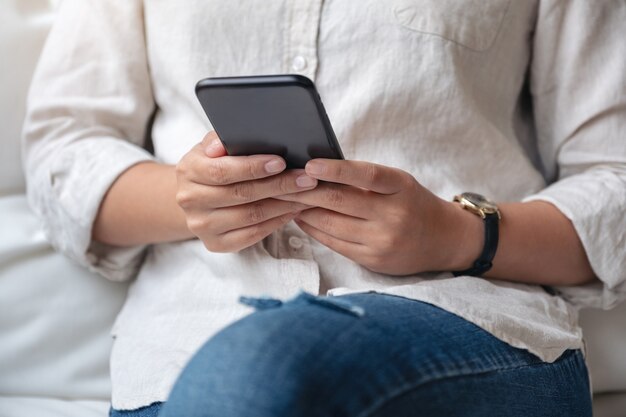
594	201
67	192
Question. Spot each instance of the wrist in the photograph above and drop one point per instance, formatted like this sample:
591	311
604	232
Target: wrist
463	237
177	226
140	208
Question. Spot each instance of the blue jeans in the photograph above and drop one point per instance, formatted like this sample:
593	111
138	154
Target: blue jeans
368	355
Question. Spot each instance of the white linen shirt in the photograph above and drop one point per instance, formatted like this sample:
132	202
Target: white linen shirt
516	100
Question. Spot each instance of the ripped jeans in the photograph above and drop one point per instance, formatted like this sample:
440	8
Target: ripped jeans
368	355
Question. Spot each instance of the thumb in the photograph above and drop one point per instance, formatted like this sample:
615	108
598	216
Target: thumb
212	146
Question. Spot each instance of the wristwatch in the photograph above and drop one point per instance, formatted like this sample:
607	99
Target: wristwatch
489	212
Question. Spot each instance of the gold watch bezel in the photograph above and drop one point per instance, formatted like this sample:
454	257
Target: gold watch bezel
477	204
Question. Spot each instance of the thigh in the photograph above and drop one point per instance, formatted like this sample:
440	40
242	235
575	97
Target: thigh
542	390
343	356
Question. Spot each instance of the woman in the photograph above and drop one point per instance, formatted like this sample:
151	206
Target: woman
412	304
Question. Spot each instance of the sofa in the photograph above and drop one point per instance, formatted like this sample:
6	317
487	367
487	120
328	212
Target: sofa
55	316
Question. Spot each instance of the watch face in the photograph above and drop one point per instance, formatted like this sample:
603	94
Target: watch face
481	202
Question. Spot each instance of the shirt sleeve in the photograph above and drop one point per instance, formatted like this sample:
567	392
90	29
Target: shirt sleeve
88	108
578	85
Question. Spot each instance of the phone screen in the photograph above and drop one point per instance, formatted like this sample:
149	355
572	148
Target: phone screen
279	115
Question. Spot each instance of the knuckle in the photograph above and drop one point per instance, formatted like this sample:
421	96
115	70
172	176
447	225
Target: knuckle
188	166
197	225
334	197
184	199
284	184
202	224
327	222
395	217
386	243
181	169
243	191
339	171
255	214
218	172
372	173
405	220
402	212
252	169
206	225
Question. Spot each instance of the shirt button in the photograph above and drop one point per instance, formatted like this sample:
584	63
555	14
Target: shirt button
299	63
295	242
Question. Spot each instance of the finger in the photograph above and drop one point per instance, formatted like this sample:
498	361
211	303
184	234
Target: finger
224	170
249	191
374	177
341	226
236	240
350	250
232	218
199	196
341	198
212	145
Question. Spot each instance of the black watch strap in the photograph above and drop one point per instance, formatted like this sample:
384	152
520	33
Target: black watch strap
484	261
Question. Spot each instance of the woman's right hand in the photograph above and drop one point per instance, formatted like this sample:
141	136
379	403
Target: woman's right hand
228	200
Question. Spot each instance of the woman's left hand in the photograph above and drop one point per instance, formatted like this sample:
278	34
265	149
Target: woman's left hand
383	219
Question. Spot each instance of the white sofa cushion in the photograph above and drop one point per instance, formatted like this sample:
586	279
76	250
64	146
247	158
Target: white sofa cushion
24	25
609	405
55	316
51	407
605	337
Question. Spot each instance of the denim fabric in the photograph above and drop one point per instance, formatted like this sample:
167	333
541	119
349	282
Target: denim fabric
370	355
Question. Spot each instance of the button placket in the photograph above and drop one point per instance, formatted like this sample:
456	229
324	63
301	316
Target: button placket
302	28
298	268
298	63
293	243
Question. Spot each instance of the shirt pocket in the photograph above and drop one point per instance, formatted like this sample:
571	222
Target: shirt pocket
473	24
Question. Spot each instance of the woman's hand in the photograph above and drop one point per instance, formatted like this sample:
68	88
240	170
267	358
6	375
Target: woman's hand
383	219
228	201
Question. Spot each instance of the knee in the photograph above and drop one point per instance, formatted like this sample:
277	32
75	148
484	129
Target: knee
267	364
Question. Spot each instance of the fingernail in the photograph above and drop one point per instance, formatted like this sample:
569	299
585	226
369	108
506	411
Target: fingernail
274	166
304	181
316	167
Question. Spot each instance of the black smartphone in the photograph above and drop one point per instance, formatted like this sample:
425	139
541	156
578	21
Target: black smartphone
271	114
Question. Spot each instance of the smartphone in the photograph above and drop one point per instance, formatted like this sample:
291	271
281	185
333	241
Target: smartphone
271	114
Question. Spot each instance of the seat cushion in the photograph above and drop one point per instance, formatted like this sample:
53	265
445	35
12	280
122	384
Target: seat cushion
605	338
55	318
609	405
51	407
24	25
